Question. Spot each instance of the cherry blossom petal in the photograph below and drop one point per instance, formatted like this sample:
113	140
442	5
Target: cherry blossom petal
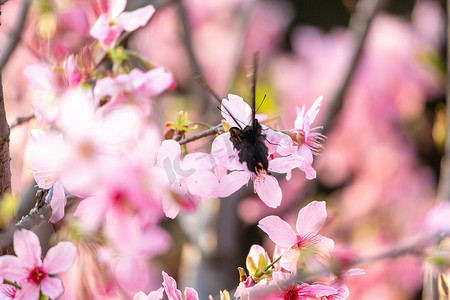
311	218
12	268
239	109
103	32
190	294
268	190
273	138
58	202
169	149
289	260
298	123
92	210
306	165
198	161
324	245
279	231
116	7
141	296
438	218
44	179
320	290
222	148
40	77
132	20
155	81
203	184
170	286
132	272
73	75
27	247
353	272
285	163
52	287
59	258
170	207
311	114
232	182
28	291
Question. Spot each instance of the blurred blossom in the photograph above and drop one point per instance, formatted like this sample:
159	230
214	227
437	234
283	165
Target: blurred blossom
135	88
189	177
438	218
173	293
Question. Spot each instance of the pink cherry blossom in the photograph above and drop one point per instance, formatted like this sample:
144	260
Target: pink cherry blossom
112	23
127	189
190	176
32	273
135	88
279	289
130	247
170	285
307	141
46	87
305	244
89	142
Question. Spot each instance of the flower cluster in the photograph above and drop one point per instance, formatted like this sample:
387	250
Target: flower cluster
296	255
26	275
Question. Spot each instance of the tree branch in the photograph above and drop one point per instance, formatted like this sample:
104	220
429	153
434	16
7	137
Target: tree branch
186	37
21	120
15	34
212	131
5	169
359	26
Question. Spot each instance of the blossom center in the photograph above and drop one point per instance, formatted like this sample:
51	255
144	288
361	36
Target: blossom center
292	294
37	275
8	290
86	148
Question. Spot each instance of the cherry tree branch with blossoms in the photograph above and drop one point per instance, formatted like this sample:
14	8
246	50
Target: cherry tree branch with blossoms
96	139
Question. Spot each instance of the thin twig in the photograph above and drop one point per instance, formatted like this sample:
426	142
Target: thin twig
21	120
359	26
193	61
212	131
15	34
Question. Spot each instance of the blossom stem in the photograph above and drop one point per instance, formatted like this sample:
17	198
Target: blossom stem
5	281
212	131
21	120
272	264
